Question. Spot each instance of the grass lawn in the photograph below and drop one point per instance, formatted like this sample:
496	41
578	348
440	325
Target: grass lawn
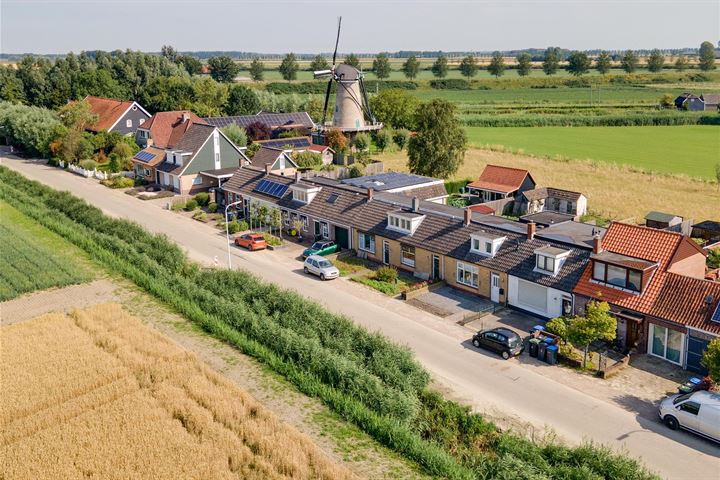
403	281
349	265
692	150
34	258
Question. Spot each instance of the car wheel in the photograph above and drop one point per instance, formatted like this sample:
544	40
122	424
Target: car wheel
671	422
322	276
476	342
505	354
305	269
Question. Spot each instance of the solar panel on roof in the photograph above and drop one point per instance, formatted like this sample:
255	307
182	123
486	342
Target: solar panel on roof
716	316
271	188
144	156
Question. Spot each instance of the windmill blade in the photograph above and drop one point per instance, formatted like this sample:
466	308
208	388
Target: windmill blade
321	73
337	41
327	97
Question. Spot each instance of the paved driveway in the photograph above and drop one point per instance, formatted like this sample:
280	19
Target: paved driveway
501	388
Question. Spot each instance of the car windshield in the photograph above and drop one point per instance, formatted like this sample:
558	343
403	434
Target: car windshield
513	342
681	398
324	264
317	246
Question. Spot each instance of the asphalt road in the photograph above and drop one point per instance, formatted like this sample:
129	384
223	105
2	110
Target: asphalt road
486	382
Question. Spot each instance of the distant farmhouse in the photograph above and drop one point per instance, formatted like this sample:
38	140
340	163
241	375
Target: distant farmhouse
116	115
706	102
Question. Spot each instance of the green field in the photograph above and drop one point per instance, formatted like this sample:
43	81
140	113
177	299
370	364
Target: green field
33	258
690	150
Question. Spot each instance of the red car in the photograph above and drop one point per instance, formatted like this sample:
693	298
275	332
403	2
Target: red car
251	241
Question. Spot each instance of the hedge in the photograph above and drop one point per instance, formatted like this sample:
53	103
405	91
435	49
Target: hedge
612	120
450	84
320	87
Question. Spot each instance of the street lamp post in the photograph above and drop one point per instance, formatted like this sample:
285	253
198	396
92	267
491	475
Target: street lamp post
227	230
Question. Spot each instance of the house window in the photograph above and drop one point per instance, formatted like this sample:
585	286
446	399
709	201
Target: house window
488	248
407	255
546	263
304	220
217	160
569	207
285	217
324	229
617	276
475	244
300	196
467	274
146	172
599	271
128	123
367	242
666	343
634	280
197	181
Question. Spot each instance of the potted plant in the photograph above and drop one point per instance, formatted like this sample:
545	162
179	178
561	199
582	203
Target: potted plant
298	226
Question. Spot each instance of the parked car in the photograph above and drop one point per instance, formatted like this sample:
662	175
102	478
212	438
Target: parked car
251	241
321	267
324	247
698	412
501	340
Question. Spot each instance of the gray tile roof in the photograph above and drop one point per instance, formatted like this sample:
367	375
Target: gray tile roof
546	192
272	120
661	217
389	181
547	218
195	136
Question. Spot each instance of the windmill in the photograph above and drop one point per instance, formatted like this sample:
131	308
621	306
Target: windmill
352	112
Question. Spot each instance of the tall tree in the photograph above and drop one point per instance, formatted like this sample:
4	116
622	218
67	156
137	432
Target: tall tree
468	66
681	63
578	63
242	101
169	52
438	148
289	67
706	57
711	360
191	64
319	63
395	108
551	60
524	64
352	60
257	70
603	62
223	69
440	67
629	61
381	66
497	65
236	134
411	67
655	61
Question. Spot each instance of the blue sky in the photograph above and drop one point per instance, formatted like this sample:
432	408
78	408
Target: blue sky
271	26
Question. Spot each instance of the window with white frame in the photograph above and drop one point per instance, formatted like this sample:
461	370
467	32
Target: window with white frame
407	255
666	343
300	196
467	274
545	263
325	229
488	247
304	220
286	217
367	242
197	180
217	160
128	123
146	172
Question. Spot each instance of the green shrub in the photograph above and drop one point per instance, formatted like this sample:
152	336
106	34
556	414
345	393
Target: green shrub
272	240
88	164
450	84
356	170
177	205
200	215
212	207
242	225
191	205
386	274
233	227
454	186
202	198
118	182
401	138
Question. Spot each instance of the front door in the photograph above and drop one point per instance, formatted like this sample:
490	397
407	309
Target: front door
633	333
566	306
386	252
495	287
157	177
317	229
436	267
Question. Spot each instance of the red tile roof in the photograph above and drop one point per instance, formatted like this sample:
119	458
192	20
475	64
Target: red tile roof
644	243
501	179
108	110
167	128
484	209
318	148
688	301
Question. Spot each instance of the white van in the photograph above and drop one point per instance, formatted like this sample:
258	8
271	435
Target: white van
698	412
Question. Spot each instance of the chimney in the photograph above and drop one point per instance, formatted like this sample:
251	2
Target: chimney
597	244
415	204
370	191
531	230
298	176
468	216
268	166
185	117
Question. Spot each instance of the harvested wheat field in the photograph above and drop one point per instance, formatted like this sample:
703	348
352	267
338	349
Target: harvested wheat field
96	394
616	192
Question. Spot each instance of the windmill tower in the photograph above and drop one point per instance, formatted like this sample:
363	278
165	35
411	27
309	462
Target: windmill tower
352	112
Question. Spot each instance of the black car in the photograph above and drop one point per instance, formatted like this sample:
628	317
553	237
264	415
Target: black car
501	340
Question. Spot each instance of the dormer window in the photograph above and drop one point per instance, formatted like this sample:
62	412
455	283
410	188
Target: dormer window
617	276
549	259
304	193
485	243
404	222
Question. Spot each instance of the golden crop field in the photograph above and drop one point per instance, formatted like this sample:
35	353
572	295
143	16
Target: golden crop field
96	394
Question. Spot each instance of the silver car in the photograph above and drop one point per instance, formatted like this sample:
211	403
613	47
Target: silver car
321	267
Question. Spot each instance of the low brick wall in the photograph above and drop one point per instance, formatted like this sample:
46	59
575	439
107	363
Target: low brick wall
410	294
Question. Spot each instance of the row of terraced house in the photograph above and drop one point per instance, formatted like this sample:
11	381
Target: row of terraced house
652	279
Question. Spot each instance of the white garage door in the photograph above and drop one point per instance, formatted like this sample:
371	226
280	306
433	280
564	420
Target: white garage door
532	295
